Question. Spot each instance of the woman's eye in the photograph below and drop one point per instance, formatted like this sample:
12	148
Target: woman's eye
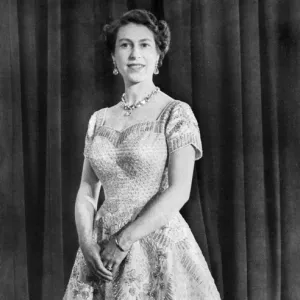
145	45
125	45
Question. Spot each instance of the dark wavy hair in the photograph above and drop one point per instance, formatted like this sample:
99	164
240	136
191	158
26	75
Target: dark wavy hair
160	29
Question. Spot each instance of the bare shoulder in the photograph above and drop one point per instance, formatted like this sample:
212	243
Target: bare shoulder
114	110
164	99
99	113
162	102
179	104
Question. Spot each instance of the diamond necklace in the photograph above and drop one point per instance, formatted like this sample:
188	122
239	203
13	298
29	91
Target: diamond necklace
130	108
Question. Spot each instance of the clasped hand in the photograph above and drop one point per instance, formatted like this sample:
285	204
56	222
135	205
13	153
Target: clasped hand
104	262
112	256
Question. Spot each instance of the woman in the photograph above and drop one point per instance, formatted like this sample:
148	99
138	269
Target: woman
142	150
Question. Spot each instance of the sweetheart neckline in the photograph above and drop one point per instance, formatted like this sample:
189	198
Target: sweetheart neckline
130	126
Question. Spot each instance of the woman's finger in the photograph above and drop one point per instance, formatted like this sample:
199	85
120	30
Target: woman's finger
108	266
115	268
94	271
99	273
100	268
102	276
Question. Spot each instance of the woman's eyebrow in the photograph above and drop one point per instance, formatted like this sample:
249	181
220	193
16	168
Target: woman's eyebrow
145	40
124	39
129	40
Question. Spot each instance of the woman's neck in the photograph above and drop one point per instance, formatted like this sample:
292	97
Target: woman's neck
136	92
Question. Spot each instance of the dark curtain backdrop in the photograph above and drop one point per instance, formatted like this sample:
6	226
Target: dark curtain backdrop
237	63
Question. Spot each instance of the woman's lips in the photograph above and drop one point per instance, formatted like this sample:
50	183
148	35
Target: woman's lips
136	67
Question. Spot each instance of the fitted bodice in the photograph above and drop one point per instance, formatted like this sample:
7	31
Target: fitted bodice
132	164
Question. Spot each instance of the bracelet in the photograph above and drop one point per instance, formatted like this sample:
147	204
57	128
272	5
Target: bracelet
118	245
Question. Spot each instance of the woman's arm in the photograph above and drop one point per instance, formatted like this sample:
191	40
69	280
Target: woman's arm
85	207
86	203
161	209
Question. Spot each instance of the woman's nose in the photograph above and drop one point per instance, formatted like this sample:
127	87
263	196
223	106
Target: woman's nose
135	53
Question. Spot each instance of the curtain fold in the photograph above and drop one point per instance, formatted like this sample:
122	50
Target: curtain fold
288	87
53	278
269	72
253	151
16	208
31	22
237	63
13	243
205	52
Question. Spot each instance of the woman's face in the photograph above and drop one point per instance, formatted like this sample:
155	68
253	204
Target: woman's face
135	53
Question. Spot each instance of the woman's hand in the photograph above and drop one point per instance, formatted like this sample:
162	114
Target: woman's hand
112	256
91	253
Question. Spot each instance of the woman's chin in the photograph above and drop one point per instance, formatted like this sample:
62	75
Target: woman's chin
136	78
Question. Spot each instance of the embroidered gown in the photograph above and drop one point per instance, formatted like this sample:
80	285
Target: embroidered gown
132	166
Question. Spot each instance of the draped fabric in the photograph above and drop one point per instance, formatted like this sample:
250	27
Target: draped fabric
236	63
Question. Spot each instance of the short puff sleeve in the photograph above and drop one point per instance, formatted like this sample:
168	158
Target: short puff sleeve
182	129
90	134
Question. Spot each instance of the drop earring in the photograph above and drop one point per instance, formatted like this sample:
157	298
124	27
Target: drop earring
156	71
115	70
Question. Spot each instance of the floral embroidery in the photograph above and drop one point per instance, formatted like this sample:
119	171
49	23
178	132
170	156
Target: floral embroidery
132	291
